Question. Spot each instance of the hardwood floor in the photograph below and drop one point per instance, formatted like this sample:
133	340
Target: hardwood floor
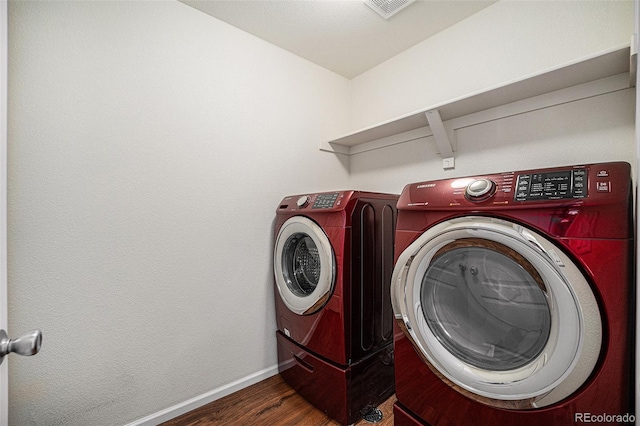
269	402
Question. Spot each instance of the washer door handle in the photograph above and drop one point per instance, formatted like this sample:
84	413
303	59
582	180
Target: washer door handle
27	344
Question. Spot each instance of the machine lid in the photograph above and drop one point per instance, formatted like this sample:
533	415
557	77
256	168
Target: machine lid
499	311
304	265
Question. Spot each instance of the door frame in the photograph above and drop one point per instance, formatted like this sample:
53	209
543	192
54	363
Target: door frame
4	65
635	43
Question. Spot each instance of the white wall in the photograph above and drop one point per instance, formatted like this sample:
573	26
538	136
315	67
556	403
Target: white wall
149	145
506	41
4	371
592	130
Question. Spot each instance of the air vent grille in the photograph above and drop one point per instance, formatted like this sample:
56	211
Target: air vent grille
387	8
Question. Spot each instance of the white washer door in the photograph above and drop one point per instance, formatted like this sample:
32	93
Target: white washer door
499	311
304	265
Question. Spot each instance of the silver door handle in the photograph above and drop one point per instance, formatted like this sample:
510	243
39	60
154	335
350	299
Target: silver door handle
27	344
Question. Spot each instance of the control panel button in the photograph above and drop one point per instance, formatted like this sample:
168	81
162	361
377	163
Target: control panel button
303	201
480	189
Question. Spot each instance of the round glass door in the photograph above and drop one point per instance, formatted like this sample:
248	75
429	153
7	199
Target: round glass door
484	306
304	265
301	265
498	310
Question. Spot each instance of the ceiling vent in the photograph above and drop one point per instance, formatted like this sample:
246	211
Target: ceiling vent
387	8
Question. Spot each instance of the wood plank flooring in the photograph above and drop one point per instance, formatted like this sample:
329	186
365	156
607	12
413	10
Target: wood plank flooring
269	402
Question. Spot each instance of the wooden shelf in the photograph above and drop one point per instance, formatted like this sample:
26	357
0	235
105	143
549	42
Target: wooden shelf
598	74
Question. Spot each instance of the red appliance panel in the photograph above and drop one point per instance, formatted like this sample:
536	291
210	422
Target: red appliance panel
357	319
596	211
339	392
341	357
595	231
324	332
607	391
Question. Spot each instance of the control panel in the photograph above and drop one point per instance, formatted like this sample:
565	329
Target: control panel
325	201
589	183
322	201
556	185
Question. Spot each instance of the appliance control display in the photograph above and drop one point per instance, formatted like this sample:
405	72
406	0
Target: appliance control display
325	201
558	185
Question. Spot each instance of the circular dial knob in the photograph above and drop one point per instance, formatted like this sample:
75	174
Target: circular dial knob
480	189
303	201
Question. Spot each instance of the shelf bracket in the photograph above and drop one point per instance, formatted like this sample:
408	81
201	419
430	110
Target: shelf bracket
441	138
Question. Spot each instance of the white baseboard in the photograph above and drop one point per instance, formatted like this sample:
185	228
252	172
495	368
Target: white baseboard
206	398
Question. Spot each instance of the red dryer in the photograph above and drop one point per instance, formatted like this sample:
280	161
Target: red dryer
513	298
333	261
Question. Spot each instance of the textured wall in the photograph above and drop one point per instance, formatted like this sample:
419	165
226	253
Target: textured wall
503	42
149	145
506	41
587	131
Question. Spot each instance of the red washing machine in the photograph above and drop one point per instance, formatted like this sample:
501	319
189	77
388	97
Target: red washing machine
513	297
333	261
